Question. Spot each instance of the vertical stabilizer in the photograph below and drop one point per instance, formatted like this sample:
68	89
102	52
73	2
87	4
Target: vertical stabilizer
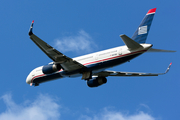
142	31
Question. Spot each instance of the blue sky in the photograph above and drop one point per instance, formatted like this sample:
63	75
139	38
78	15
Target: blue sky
77	28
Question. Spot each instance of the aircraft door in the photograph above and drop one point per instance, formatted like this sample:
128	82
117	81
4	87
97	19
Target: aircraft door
119	51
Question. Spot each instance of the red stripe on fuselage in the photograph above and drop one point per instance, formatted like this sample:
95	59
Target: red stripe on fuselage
113	57
37	77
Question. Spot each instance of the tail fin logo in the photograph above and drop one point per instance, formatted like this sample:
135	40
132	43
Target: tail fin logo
142	30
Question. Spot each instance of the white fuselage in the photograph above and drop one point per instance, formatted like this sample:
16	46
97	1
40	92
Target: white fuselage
97	62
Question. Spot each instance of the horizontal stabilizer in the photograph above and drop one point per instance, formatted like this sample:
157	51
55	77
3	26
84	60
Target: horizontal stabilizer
131	44
159	50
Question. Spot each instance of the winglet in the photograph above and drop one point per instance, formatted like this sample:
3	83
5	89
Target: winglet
167	70
31	28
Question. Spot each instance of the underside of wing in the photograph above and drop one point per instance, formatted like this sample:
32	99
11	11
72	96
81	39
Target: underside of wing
116	73
67	63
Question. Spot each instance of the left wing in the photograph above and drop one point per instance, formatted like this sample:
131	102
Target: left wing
116	73
67	63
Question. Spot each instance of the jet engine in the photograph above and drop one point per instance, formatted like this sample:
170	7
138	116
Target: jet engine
51	68
97	81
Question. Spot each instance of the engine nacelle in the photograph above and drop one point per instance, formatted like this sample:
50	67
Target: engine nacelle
51	68
97	81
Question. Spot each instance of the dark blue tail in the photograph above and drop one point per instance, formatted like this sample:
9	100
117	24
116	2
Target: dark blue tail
142	31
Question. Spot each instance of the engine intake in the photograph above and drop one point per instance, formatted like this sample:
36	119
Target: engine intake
51	68
97	81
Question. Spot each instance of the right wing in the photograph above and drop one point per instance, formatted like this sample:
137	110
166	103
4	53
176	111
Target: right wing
116	73
67	63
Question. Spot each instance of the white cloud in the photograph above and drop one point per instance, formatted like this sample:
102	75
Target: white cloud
47	108
43	108
114	115
80	43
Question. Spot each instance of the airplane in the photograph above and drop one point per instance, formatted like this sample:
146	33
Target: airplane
92	67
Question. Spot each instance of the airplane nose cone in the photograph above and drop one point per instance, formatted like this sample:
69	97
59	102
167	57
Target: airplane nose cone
28	80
